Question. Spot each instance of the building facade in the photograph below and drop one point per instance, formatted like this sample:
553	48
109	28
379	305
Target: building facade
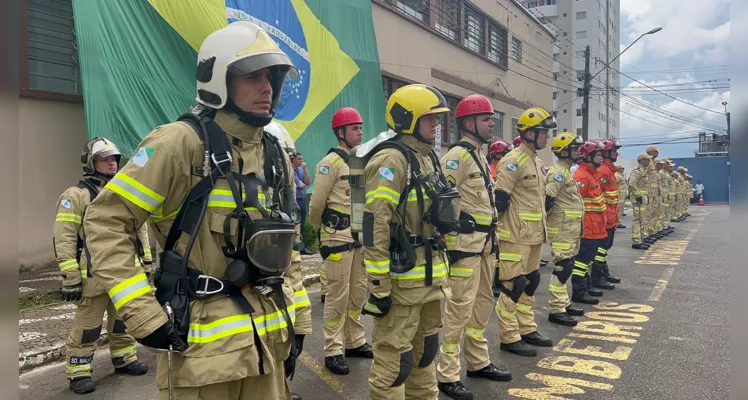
462	47
577	24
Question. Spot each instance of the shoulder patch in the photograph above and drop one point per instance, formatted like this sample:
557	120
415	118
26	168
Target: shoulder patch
558	178
453	164
142	156
387	173
512	167
324	170
65	203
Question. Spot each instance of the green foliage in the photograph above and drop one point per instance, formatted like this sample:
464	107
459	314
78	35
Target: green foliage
310	236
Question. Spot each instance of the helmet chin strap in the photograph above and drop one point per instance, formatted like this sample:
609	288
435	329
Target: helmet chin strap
343	139
249	118
474	133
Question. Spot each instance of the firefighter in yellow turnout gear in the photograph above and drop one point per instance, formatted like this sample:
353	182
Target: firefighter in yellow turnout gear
231	325
622	193
638	193
404	187
654	196
520	201
472	254
565	210
100	159
330	213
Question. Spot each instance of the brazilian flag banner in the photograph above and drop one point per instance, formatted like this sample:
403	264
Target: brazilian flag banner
138	60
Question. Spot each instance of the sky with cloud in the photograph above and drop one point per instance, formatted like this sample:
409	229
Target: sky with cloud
687	60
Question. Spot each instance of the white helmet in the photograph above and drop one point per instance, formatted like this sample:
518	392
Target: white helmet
280	133
241	48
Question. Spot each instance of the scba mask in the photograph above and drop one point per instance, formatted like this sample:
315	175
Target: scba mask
265	244
445	204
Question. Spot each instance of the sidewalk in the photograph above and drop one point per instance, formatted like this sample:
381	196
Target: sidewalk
42	331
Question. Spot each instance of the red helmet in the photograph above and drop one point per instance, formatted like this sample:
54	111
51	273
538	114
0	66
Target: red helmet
346	116
473	105
517	141
608	144
589	147
498	147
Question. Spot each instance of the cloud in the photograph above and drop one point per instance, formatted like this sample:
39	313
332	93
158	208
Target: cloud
694	27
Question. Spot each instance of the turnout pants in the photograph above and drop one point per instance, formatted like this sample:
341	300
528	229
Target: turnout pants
665	213
467	312
516	319
638	229
323	282
620	211
82	341
406	341
582	262
653	215
600	265
346	294
564	246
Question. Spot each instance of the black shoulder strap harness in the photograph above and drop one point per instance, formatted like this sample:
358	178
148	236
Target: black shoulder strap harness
176	279
489	186
342	154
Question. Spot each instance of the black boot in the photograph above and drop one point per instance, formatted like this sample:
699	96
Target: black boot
598	276
322	299
337	365
639	246
537	339
595	292
574	311
82	385
579	291
136	368
491	372
520	348
621	226
543	263
601	283
455	390
562	319
363	351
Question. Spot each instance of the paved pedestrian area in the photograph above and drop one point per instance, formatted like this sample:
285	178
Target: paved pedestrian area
658	335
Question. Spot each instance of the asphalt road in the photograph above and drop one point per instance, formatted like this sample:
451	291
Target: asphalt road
667	336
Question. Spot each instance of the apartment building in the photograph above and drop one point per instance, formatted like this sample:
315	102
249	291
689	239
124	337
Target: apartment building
576	24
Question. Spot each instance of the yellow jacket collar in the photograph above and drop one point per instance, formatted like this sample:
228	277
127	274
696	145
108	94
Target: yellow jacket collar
420	147
231	124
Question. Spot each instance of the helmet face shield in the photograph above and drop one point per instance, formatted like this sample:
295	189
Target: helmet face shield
548	123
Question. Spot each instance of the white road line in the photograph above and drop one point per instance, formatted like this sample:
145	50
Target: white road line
661	285
25	290
693	233
52	318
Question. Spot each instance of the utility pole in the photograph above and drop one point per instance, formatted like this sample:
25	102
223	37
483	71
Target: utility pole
586	94
607	71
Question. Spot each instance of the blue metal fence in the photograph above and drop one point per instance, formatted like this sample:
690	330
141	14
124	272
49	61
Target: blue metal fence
713	173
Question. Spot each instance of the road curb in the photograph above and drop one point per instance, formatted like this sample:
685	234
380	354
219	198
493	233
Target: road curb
46	355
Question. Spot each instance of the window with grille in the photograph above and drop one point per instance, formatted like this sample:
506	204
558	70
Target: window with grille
52	49
515	121
452	131
555	94
418	9
498	128
387	84
582	15
475	29
579	112
532	4
517	50
448	18
497	44
581	34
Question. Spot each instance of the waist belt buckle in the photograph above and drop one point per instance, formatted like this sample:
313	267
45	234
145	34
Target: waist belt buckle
205	291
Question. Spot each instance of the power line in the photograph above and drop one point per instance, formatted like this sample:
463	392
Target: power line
674	98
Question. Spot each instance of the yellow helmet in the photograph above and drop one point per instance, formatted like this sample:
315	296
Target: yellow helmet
411	102
535	117
564	140
97	149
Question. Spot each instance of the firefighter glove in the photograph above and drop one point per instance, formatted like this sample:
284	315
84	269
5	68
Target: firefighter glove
164	336
72	292
377	307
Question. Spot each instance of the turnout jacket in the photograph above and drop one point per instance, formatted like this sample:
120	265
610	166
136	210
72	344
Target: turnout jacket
609	185
565	217
331	190
152	186
590	189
